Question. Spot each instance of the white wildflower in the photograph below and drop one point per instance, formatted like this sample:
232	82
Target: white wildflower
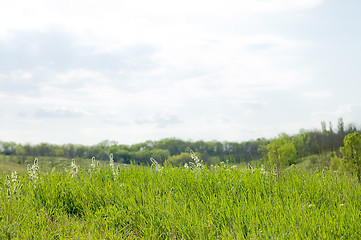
197	164
274	170
33	170
14	176
249	167
92	165
155	165
310	205
111	161
74	169
12	184
111	164
264	171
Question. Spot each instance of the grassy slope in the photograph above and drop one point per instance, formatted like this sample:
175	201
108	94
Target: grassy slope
46	164
176	203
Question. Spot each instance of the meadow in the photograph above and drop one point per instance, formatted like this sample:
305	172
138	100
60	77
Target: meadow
165	202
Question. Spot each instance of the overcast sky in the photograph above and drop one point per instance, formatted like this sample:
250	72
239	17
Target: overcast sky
82	71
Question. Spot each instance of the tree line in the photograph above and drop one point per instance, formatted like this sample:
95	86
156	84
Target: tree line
283	150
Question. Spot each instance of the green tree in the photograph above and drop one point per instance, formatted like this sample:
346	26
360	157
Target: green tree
59	151
45	149
281	152
142	156
331	128
21	153
8	148
341	126
160	155
181	159
323	126
351	151
29	150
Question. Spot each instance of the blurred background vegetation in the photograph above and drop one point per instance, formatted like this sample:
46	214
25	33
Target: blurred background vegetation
309	149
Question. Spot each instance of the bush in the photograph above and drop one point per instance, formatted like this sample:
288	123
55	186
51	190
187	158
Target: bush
351	160
281	152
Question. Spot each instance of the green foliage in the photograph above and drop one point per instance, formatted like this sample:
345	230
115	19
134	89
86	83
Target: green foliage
341	126
180	160
177	203
281	152
351	160
8	148
138	153
317	162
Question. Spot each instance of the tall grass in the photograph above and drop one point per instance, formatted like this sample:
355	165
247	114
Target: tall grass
220	202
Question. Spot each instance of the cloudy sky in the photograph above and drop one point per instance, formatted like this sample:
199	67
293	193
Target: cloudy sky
82	71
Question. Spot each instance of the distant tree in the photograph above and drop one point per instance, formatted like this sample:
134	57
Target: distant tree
8	148
299	143
45	149
330	126
351	127
323	127
29	150
341	126
81	151
160	155
59	151
181	159
142	156
281	152
174	146
124	156
121	153
21	153
351	151
69	150
138	147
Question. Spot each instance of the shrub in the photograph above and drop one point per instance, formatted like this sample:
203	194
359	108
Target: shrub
281	152
351	160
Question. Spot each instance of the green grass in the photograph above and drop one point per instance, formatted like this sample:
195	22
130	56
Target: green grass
135	202
46	164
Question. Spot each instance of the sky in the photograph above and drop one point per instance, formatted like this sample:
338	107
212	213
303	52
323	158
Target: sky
76	71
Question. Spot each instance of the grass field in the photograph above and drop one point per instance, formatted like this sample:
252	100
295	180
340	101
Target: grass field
46	164
133	202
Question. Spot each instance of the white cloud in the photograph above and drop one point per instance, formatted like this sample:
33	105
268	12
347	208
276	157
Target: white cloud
61	112
161	119
349	112
182	69
133	18
248	108
316	94
284	5
26	75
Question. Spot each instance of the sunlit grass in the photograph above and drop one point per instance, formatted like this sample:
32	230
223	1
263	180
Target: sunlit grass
162	202
46	164
9	166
